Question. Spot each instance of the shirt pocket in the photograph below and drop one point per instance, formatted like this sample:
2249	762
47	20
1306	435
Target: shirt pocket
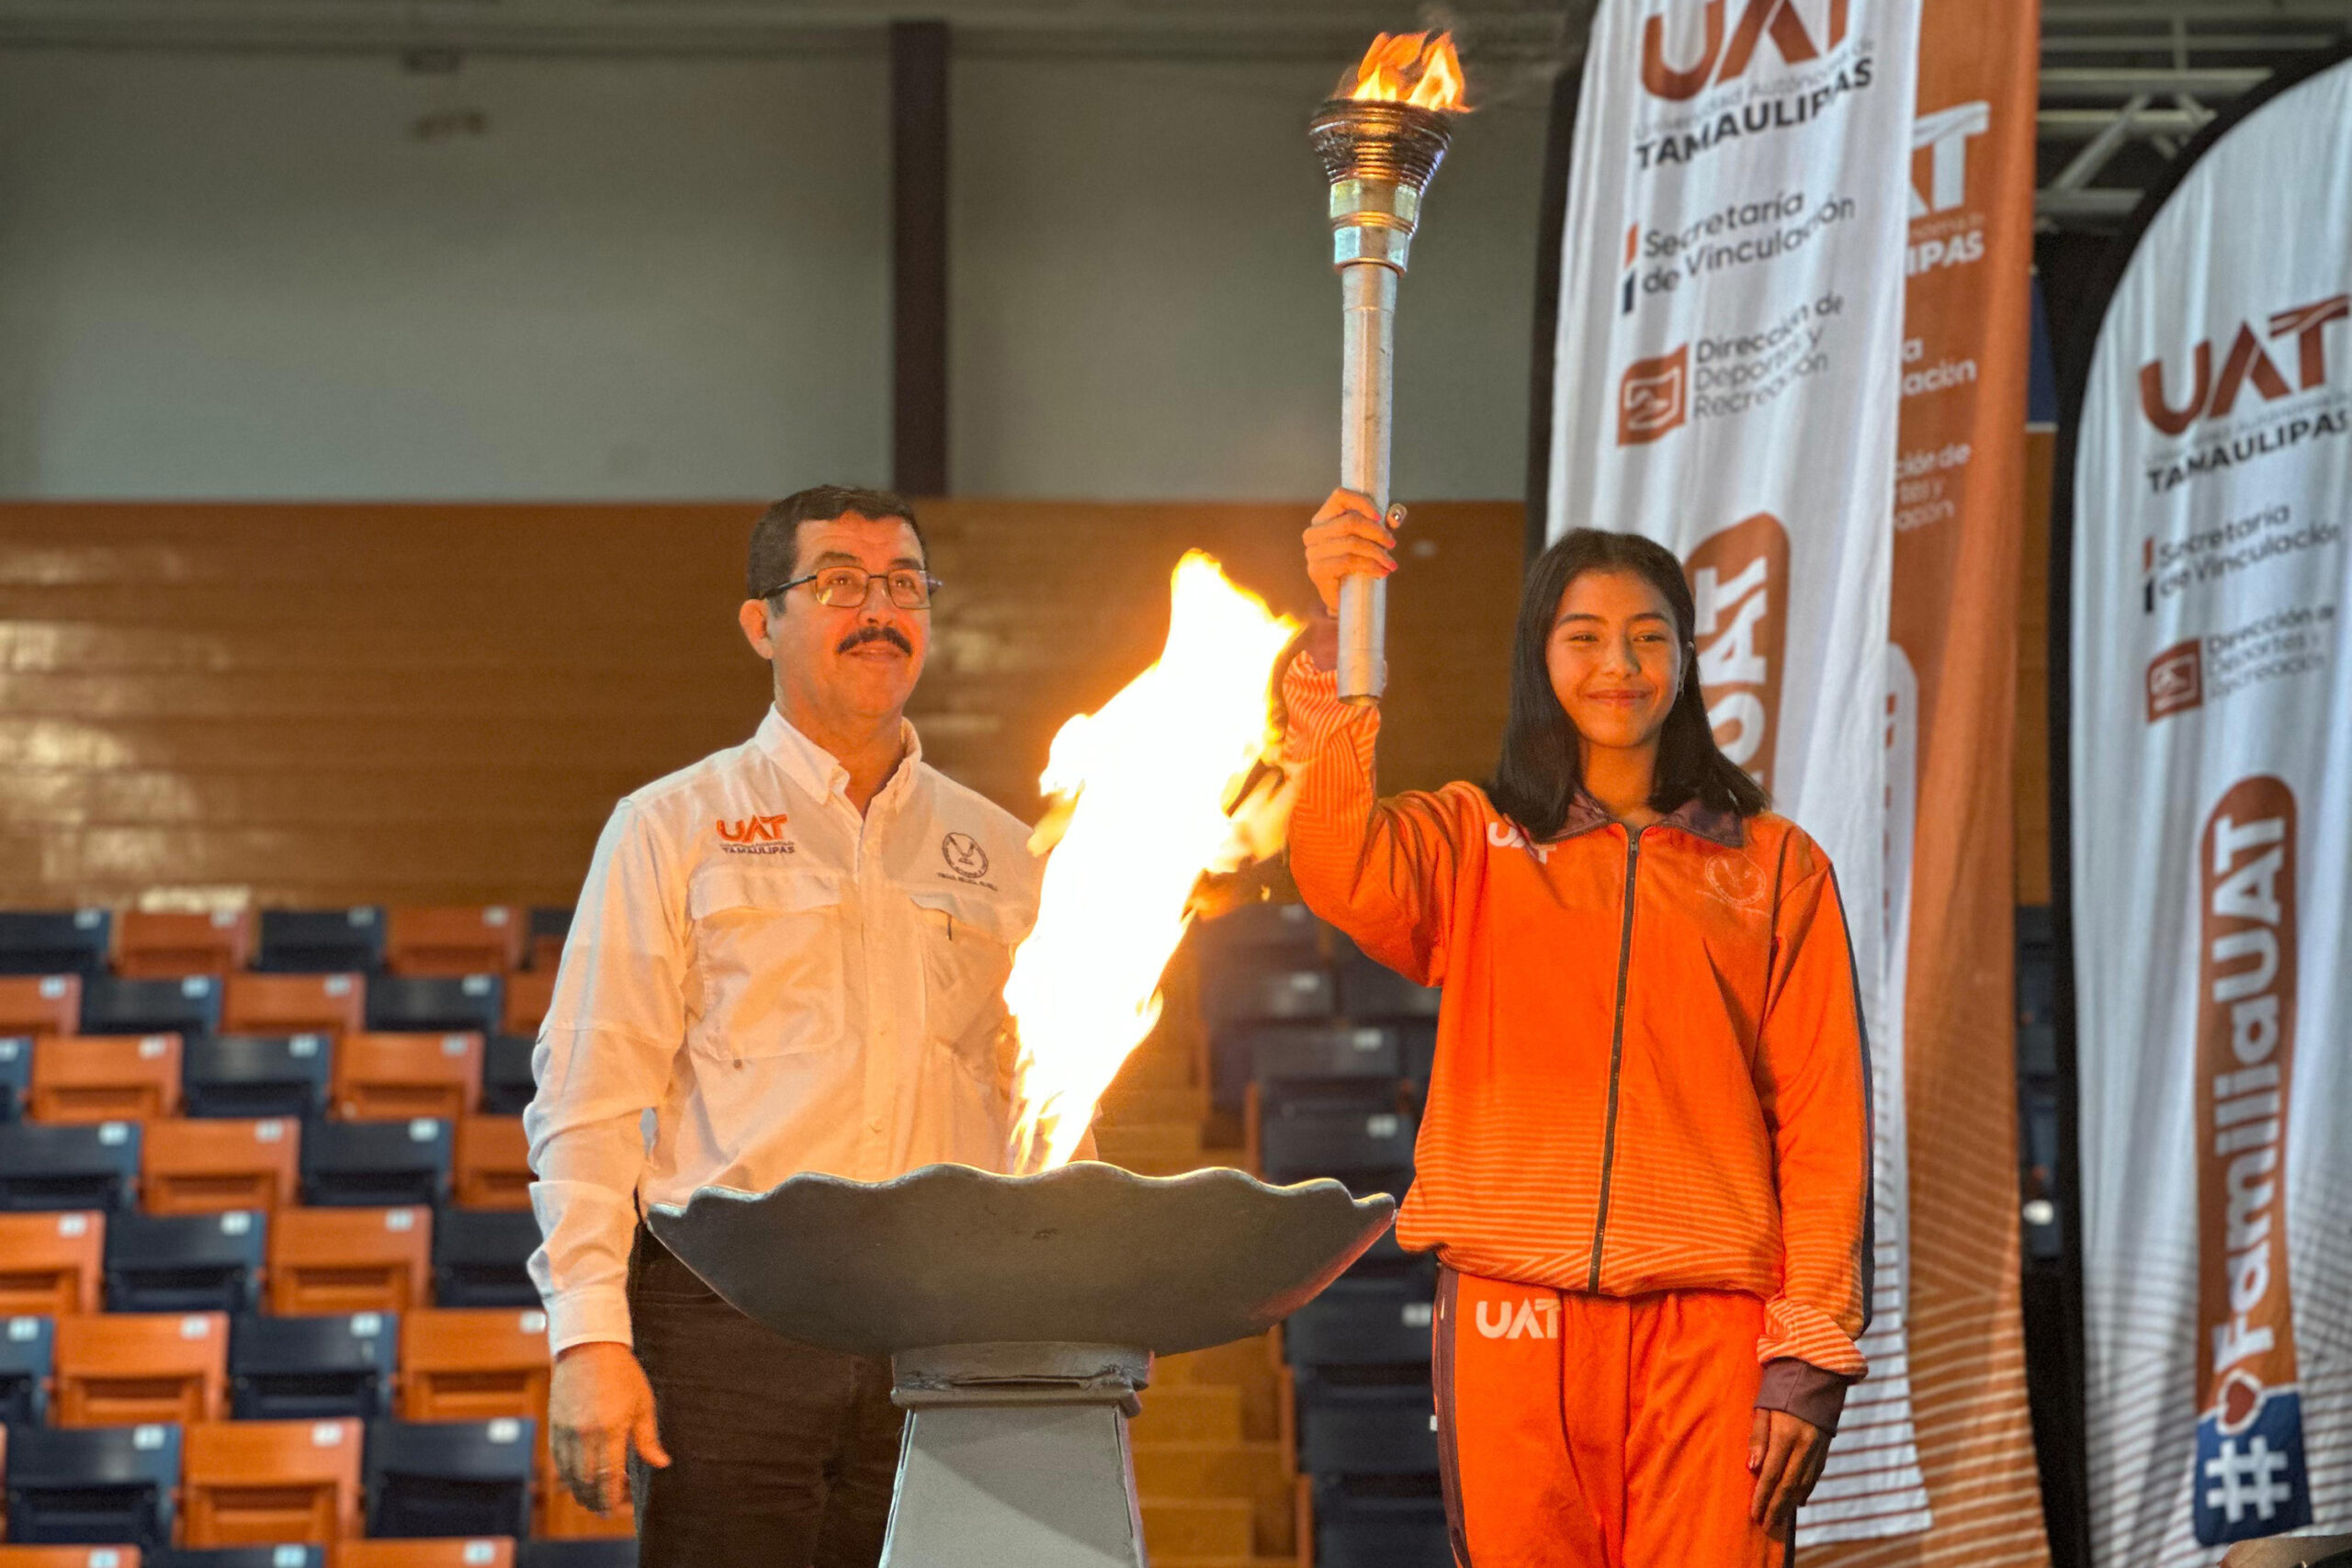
967	942
767	977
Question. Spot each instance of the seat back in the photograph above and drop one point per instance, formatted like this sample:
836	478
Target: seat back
157	944
486	1551
106	1077
493	1162
443	939
294	1004
54	942
285	1368
27	1348
112	1486
68	1167
280	1554
528	992
474	1364
1363	1322
1371	991
373	1164
209	1167
506	1081
480	1258
1250	987
119	1556
257	1483
607	1553
551	925
1299	1141
350	1260
119	1368
40	1004
51	1265
188	1005
250	1076
319	941
1368	1428
183	1263
17	1075
450	1478
380	1078
411	1004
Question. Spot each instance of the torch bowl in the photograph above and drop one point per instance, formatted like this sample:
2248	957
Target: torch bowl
1087	1254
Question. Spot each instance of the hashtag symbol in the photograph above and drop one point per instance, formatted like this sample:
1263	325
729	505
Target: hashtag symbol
2247	1480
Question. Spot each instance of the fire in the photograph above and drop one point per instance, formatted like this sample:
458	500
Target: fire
1159	786
1409	68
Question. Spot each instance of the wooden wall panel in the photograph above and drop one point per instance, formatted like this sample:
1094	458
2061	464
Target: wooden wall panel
331	703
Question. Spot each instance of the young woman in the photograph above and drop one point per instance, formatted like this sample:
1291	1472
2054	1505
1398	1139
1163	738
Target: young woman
1644	1162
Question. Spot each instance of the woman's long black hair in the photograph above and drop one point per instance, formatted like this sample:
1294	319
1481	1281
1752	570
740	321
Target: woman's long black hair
1539	773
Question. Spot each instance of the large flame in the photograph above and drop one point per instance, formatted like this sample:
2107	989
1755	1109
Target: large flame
1409	68
1149	795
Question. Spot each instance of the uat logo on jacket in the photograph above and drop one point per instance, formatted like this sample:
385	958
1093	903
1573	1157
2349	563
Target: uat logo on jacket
2300	335
1739	580
1723	58
2249	1478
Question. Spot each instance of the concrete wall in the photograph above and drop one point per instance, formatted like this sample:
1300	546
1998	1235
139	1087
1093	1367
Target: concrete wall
228	276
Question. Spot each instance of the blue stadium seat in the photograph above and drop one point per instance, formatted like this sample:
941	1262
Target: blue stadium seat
376	1164
1377	1320
1299	1141
1349	1426
1288	1052
450	1478
255	1076
419	1004
54	942
478	1257
1233	992
506	1082
322	942
189	1005
550	924
1276	933
185	1262
102	1485
612	1552
312	1369
1372	1525
1371	991
92	1167
27	1347
15	1075
287	1554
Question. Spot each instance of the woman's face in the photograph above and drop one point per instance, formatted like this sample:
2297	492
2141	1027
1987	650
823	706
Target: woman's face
1615	661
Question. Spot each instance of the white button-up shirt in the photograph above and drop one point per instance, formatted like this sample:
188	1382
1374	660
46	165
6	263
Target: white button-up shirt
787	984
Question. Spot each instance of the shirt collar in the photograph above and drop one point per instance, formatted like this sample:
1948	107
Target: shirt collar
816	769
1693	815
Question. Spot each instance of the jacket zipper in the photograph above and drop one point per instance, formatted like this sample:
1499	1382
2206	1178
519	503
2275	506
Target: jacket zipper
1616	1056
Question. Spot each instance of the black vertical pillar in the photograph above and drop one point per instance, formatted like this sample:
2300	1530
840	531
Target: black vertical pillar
1550	220
919	257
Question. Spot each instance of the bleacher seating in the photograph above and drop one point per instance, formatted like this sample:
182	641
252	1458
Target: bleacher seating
1362	1321
72	1557
28	1347
473	1364
381	1077
506	1082
278	1554
453	939
105	1077
212	1166
320	942
1366	1145
1360	1523
550	924
609	1552
313	1368
252	1076
114	1005
491	1168
54	942
118	1369
376	1164
162	945
478	1257
52	1264
294	1004
425	1003
40	1004
111	1485
528	992
181	1263
450	1478
1371	991
258	1483
350	1260
15	1074
492	1552
92	1167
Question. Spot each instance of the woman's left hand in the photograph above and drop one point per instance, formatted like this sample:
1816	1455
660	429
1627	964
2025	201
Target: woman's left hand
1785	1454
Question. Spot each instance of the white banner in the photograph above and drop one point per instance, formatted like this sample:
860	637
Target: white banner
1728	373
2213	851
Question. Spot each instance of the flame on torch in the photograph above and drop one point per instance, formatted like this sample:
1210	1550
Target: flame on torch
1408	68
1159	786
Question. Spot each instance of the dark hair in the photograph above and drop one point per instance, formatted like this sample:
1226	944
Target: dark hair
776	538
1538	776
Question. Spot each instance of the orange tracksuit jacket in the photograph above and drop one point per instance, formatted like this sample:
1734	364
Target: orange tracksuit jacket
1651	1073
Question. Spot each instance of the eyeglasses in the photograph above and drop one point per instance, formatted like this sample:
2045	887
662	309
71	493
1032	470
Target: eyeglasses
846	587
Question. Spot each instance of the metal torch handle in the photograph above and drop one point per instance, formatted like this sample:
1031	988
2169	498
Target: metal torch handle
1368	300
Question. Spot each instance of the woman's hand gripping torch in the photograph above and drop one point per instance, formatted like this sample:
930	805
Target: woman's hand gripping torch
1349	546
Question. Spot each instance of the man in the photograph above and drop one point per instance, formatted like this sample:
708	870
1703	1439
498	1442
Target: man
793	953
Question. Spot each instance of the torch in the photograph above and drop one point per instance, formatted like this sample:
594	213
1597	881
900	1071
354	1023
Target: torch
1380	141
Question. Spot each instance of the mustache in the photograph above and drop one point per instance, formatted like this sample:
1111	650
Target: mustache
890	634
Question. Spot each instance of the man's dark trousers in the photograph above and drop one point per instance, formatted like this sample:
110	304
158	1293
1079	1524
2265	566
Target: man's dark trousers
781	1455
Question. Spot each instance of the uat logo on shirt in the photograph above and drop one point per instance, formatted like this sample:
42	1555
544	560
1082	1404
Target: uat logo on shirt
752	829
2249	1478
1721	57
2299	336
1740	583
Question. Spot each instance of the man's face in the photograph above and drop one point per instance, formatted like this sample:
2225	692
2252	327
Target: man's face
855	660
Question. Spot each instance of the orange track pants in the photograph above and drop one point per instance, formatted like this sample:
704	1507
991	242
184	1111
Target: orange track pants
1582	1431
